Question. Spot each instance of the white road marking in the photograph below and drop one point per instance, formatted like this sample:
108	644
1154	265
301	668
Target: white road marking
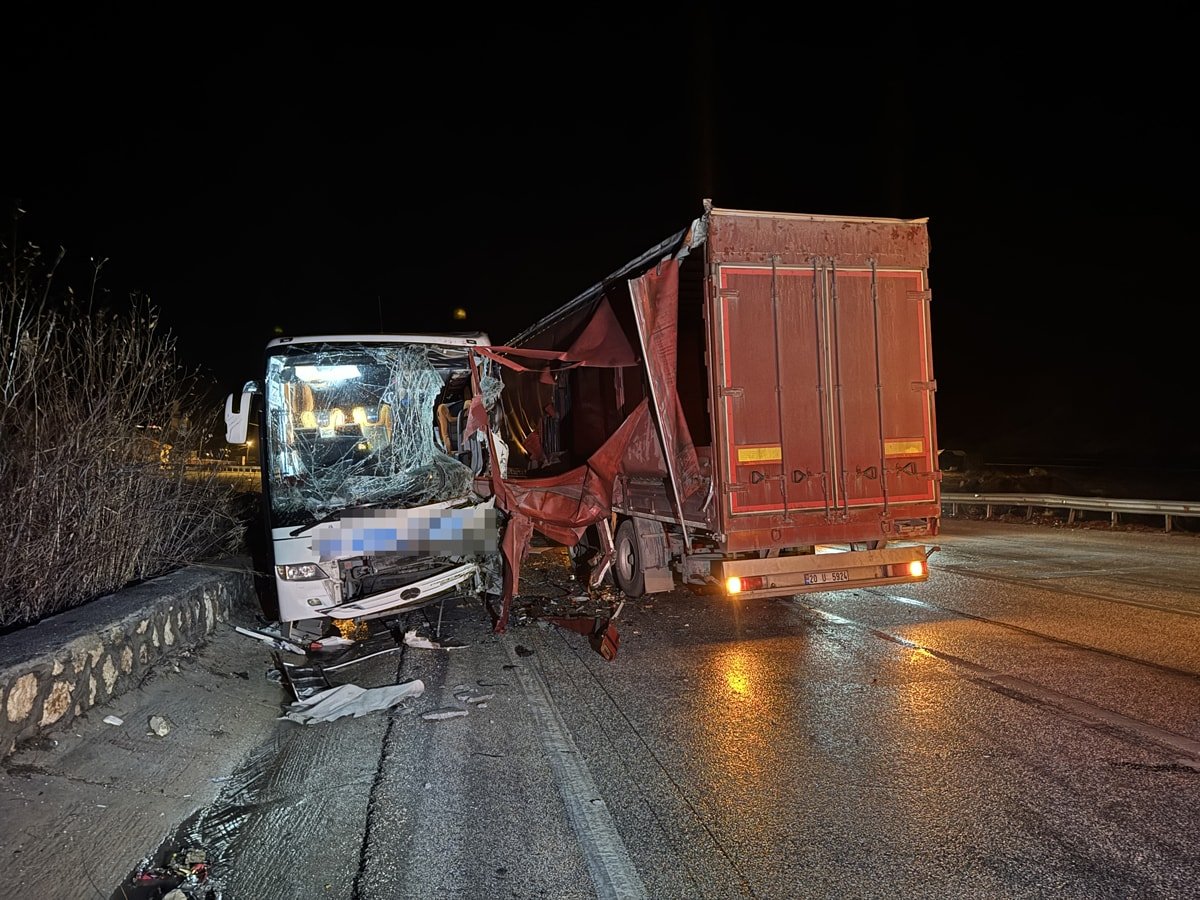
613	873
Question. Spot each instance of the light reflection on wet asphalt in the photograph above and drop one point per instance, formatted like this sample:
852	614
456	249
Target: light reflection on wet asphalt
833	745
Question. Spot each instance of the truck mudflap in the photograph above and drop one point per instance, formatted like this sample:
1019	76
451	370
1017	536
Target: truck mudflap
822	571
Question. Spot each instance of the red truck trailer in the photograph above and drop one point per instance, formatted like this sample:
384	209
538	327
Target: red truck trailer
747	407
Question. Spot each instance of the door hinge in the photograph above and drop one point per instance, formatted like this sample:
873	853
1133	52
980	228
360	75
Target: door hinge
924	385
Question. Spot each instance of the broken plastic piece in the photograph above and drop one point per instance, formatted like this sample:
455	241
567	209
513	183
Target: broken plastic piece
445	712
113	720
160	725
302	681
412	639
277	643
331	643
602	635
469	696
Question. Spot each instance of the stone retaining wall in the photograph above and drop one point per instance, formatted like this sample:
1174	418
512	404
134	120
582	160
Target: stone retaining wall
59	668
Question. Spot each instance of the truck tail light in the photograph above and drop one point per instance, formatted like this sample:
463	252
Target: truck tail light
736	585
916	568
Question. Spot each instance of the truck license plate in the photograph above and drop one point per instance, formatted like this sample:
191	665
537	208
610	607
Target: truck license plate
827	577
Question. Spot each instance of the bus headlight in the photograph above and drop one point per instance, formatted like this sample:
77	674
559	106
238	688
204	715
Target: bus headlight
300	572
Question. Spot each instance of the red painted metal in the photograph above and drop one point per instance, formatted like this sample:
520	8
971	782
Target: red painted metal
810	337
821	335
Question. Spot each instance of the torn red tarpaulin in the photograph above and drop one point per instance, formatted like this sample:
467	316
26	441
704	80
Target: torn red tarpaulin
656	304
562	506
534	449
601	344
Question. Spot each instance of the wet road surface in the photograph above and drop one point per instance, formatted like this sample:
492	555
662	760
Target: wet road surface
1025	724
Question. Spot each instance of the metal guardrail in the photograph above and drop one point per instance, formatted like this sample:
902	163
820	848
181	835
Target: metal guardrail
1168	509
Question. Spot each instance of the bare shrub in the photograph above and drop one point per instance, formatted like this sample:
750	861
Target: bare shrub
96	422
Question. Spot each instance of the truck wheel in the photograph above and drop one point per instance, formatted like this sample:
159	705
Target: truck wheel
627	560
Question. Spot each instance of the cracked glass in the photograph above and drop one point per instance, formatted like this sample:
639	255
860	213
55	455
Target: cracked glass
355	424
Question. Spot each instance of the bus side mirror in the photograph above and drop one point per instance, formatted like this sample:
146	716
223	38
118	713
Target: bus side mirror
238	423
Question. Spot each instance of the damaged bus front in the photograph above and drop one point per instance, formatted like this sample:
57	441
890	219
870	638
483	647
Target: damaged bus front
369	475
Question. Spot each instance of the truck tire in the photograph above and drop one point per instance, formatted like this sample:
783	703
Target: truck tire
627	561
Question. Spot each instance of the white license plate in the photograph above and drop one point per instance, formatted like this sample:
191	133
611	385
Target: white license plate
827	577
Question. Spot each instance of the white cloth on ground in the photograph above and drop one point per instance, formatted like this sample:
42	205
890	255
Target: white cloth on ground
351	700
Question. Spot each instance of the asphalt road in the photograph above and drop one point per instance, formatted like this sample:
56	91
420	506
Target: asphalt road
1025	724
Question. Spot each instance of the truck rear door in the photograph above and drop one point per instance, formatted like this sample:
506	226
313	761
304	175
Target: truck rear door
770	398
883	414
823	387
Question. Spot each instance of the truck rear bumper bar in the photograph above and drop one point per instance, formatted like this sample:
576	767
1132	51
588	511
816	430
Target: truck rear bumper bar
786	575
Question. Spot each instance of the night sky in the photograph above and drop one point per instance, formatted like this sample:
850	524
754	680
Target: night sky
344	174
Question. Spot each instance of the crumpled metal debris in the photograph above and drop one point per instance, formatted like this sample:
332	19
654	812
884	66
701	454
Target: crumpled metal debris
412	639
184	876
350	700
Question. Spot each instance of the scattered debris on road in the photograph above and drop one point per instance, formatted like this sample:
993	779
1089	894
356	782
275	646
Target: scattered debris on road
160	725
470	695
601	633
113	720
552	595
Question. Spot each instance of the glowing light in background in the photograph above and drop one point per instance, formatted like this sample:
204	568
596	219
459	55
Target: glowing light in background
326	373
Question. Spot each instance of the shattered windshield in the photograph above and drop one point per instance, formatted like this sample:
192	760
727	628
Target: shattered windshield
351	425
